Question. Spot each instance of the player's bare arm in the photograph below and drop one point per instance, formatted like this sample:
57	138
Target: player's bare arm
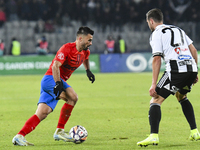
56	70
56	76
156	63
193	51
86	64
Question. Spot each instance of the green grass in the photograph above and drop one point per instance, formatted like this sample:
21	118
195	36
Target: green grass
114	110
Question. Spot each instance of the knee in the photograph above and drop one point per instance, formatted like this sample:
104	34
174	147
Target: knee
74	98
42	111
159	100
42	115
179	96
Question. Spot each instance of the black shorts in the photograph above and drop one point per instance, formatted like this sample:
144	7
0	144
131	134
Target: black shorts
181	82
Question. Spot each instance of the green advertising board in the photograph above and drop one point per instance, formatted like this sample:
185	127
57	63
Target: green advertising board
35	64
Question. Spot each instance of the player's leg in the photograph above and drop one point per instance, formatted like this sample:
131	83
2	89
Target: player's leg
155	111
184	82
70	98
46	105
188	111
41	113
154	121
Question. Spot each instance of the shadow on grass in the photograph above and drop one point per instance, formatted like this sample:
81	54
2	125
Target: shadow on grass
174	145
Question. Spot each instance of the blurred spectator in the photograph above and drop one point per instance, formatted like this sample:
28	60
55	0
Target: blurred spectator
98	15
2	4
66	20
168	18
77	5
125	11
49	26
109	44
43	9
58	20
26	10
104	13
133	15
179	7
34	10
120	45
2	17
57	23
84	14
91	9
118	21
107	18
39	28
58	6
194	11
2	47
15	47
42	46
12	10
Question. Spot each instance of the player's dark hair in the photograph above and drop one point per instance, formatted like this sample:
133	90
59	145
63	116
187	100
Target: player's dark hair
156	14
84	31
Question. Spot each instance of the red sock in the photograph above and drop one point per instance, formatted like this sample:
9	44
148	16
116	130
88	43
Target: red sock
30	125
65	113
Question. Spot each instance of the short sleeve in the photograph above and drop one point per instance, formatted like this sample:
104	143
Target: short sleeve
61	54
156	44
188	40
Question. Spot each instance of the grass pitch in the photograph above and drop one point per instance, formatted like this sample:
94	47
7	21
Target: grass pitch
114	110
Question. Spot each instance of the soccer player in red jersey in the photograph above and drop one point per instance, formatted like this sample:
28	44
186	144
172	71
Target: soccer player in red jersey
54	87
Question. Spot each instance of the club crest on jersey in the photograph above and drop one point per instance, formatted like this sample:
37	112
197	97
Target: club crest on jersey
182	57
177	50
60	56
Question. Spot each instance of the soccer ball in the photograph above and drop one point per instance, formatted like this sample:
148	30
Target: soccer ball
78	133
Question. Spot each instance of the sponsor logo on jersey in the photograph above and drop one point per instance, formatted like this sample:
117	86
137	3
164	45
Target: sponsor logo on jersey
185	62
178	49
182	57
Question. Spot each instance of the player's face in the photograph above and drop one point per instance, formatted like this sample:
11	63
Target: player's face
86	41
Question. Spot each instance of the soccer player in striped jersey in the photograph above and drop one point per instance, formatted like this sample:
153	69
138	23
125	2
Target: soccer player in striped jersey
54	87
173	45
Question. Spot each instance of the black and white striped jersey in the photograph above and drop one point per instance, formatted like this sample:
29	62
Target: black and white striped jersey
172	43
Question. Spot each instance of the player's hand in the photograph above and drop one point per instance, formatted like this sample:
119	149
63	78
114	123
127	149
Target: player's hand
58	88
152	90
90	75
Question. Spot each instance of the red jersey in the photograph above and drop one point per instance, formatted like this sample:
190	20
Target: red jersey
70	58
1	46
44	45
110	45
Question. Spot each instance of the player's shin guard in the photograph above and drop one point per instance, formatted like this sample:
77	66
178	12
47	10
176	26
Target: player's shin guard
30	125
188	112
154	117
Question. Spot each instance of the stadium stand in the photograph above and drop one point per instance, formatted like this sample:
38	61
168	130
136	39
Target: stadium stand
131	12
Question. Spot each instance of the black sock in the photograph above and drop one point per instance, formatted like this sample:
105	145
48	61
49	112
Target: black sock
154	117
188	112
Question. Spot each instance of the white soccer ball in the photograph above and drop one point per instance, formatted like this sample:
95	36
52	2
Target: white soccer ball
78	133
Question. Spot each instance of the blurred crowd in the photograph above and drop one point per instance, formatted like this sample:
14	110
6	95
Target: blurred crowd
101	12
